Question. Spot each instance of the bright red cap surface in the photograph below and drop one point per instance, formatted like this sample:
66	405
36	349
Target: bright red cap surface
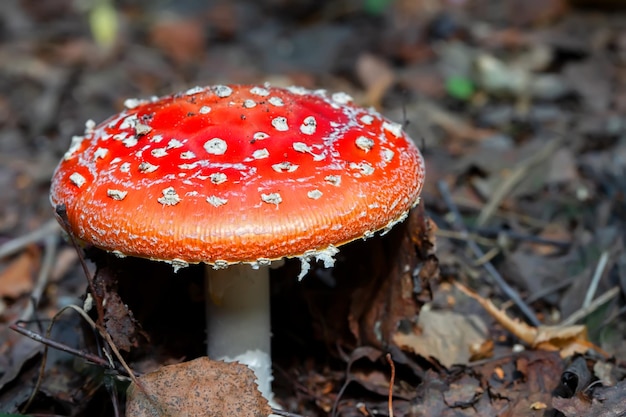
230	174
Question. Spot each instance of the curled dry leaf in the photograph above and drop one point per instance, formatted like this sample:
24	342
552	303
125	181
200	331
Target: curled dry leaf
568	340
17	278
449	337
200	387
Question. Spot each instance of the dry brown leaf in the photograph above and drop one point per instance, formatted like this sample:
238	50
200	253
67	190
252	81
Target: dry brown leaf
17	278
377	77
446	336
181	39
604	402
565	339
200	387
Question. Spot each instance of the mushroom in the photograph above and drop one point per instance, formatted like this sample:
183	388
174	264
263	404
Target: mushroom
237	177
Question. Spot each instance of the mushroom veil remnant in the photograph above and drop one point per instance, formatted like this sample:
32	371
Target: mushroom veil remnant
237	176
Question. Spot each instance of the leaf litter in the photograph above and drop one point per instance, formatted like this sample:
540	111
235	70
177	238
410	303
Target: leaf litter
519	111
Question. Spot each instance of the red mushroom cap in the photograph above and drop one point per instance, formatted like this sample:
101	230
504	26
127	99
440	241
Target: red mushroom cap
230	174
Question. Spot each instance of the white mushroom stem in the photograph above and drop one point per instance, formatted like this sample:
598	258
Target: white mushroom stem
238	320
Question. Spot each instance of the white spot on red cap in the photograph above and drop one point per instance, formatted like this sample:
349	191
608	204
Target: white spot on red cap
285	167
333	179
130	141
100	153
125	167
89	127
188	166
170	198
260	91
194	90
300	91
174	143
280	124
77	179
145	167
187	155
276	101
204	110
387	154
131	103
215	146
394	128
118	195
363	167
158	152
260	153
218	177
222	91
272	198
367	119
342	98
142	129
314	194
364	143
309	125
248	104
129	122
216	201
75	146
260	136
302	147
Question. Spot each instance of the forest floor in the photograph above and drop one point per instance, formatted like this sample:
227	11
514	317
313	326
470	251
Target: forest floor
503	294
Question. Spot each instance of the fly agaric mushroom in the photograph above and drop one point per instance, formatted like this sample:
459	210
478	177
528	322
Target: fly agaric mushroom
236	175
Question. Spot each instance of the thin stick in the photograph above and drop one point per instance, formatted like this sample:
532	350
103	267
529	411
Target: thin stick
391	382
90	357
284	413
593	285
593	306
61	212
518	173
457	223
50	246
15	245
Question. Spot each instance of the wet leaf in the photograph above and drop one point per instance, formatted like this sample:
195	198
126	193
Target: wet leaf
449	337
17	278
197	388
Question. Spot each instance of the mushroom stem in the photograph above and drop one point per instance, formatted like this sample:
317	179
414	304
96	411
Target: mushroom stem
238	320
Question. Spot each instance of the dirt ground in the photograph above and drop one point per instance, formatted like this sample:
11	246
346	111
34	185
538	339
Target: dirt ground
502	294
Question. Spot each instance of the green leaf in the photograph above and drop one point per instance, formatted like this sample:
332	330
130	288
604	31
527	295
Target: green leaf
104	23
376	7
459	87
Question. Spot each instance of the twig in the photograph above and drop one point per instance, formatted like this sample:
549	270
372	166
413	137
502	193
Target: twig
15	245
50	246
518	173
61	212
593	306
457	223
90	357
539	294
513	235
392	378
593	285
284	413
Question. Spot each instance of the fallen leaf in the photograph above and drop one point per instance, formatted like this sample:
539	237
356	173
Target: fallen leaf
200	387
604	402
377	77
568	340
17	278
444	335
181	39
